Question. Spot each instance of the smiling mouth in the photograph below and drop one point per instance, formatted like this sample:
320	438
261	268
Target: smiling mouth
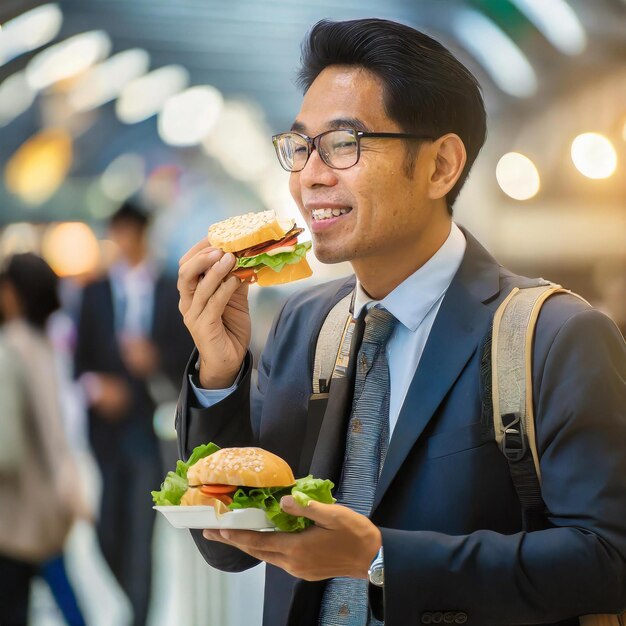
319	215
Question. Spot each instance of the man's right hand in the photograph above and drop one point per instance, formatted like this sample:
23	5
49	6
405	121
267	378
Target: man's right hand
215	312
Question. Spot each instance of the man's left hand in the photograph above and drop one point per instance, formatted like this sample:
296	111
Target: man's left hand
140	356
342	542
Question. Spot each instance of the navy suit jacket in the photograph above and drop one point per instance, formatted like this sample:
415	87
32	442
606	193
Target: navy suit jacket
447	509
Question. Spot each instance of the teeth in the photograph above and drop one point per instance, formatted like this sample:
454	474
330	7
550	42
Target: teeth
326	214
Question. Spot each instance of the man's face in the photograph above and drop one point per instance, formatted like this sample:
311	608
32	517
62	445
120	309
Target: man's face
387	209
130	240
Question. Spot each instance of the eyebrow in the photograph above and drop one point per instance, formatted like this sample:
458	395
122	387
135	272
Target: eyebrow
347	122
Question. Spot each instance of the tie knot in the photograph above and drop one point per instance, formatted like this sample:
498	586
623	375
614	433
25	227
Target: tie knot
379	325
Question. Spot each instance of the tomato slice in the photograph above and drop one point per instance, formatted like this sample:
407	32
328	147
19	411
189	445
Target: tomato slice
211	490
245	273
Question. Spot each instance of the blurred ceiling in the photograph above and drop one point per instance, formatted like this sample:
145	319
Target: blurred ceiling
250	49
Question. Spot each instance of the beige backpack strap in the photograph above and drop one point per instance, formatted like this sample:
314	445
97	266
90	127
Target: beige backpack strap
511	364
331	343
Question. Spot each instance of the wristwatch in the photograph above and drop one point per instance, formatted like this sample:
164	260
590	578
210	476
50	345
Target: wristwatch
376	572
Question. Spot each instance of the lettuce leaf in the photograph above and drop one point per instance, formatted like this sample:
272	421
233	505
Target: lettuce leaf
198	453
172	490
309	488
175	483
277	261
268	499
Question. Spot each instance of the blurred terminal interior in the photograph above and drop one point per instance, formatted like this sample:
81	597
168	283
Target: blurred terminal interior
175	103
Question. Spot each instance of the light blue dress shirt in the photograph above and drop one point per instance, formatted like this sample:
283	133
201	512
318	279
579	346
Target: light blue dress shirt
414	303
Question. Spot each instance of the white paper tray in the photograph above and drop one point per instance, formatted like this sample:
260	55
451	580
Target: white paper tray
204	517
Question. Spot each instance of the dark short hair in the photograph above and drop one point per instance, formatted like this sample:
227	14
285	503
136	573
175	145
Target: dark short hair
36	286
130	213
426	89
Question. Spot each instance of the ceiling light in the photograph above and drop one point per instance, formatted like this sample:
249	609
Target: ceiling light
29	31
68	58
558	23
594	155
517	176
507	65
16	95
145	96
105	81
188	117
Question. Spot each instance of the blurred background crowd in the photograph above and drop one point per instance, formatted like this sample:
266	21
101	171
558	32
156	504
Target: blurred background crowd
127	127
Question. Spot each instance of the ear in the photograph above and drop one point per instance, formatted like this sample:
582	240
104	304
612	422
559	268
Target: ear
449	159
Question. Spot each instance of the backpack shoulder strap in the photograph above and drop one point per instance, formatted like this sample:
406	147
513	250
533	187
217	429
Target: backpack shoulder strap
329	342
512	395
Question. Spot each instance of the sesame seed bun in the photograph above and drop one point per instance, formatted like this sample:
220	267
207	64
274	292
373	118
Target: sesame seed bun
244	467
244	231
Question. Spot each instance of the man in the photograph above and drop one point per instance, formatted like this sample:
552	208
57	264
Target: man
416	472
131	347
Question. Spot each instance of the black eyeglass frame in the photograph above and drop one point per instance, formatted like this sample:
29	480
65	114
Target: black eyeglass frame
313	142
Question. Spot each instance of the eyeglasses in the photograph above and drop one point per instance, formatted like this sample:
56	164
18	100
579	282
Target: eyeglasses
339	149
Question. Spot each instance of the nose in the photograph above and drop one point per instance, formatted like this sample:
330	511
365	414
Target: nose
317	173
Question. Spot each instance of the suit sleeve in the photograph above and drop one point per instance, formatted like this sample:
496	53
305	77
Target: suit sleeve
234	421
578	565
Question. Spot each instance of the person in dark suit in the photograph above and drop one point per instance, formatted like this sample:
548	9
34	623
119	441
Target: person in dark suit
130	354
424	494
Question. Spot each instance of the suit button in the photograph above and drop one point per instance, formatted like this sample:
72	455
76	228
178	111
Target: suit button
448	617
460	618
427	617
437	617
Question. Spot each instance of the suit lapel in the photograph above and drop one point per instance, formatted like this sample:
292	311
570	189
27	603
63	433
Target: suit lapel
461	323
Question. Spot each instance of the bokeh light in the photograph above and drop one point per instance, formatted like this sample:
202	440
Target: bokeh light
123	176
240	141
67	59
105	81
39	166
145	96
517	176
17	238
188	117
16	95
594	155
29	31
71	249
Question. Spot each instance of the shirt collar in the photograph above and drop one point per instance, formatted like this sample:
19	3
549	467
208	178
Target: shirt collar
124	272
413	298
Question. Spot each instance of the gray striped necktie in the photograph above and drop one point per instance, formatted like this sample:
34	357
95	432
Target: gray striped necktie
345	599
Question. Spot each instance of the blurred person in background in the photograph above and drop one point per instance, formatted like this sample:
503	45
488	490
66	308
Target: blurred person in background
131	351
40	484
